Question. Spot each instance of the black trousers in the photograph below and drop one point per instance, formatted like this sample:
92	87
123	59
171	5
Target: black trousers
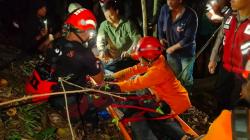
228	88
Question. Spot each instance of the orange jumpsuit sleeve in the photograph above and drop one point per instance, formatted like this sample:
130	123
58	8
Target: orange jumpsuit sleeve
129	72
149	79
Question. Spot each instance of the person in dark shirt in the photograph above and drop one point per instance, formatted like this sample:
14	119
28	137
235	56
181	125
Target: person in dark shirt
69	58
35	28
177	26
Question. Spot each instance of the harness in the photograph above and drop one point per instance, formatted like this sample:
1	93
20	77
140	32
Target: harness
160	115
43	78
123	121
61	48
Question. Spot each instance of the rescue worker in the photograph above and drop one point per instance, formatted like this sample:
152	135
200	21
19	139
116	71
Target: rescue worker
71	58
236	31
156	75
235	123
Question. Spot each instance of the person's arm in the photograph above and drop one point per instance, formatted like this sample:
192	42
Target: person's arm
93	66
101	41
212	16
160	25
212	12
214	57
173	48
149	79
134	35
99	77
129	72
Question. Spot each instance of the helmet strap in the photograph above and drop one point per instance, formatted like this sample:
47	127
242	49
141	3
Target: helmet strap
66	30
85	44
150	61
69	28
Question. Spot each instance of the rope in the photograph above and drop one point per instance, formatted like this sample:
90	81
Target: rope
99	91
83	90
200	51
67	108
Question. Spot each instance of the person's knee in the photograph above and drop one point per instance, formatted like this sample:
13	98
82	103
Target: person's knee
174	129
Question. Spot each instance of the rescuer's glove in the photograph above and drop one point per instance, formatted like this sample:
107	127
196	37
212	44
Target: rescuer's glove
110	87
109	78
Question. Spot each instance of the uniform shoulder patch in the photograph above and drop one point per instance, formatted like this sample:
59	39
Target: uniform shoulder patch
229	19
247	30
226	26
227	23
245	47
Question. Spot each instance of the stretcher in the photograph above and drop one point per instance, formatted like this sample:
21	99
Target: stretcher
127	135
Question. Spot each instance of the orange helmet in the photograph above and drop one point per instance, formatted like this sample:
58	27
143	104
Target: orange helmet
82	19
148	48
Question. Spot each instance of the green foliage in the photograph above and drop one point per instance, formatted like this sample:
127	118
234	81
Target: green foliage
47	134
14	136
29	116
27	124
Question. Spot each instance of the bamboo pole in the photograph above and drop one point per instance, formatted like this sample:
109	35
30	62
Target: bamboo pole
144	17
120	125
186	128
156	5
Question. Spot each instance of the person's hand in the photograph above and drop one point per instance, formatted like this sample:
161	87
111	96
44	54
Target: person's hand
163	42
211	66
104	58
164	107
125	54
216	18
170	50
245	88
110	87
51	37
109	78
44	32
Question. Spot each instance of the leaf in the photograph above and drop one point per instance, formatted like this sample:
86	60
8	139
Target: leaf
48	134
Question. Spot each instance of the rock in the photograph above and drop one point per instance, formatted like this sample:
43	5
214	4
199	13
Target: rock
11	112
3	83
56	119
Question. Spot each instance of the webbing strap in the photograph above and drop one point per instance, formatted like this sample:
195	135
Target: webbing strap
144	97
199	52
138	116
125	121
134	107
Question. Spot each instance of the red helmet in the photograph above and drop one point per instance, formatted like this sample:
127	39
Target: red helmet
82	19
149	48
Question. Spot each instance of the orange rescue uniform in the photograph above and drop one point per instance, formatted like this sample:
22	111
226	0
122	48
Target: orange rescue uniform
160	79
221	128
